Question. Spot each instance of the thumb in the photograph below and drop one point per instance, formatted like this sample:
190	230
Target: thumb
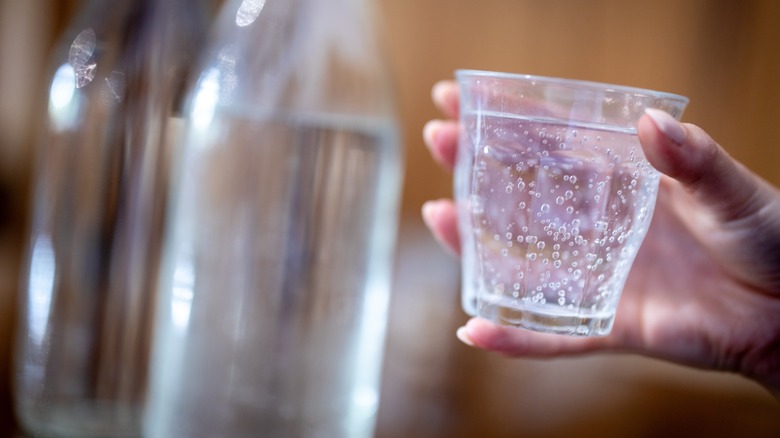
689	155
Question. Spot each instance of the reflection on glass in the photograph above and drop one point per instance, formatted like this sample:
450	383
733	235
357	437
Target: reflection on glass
181	296
62	97
116	85
206	98
80	56
41	285
248	11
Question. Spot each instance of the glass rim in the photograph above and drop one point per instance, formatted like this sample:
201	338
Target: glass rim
592	85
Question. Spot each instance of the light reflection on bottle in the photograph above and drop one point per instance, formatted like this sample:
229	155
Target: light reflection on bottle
41	285
62	97
80	57
181	296
206	98
248	12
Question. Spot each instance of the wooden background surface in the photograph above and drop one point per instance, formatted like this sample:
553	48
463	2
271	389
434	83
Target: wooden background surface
723	54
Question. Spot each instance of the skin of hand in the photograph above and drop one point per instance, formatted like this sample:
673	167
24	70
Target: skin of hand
704	289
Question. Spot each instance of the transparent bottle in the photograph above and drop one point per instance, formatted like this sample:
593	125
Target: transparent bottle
99	192
277	267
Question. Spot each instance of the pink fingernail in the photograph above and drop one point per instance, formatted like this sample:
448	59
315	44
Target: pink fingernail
429	130
437	90
463	335
667	124
429	211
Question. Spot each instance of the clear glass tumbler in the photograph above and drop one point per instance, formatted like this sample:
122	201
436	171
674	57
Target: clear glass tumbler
554	197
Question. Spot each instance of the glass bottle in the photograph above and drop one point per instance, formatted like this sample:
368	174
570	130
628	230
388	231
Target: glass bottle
276	275
100	176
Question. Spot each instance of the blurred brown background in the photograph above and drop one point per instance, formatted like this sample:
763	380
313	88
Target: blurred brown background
723	54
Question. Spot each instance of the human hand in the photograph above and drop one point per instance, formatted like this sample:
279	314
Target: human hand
704	290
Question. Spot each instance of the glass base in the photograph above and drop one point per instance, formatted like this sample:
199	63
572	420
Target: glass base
549	320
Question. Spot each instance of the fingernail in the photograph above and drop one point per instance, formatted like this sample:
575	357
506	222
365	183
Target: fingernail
429	130
437	90
463	335
667	124
429	211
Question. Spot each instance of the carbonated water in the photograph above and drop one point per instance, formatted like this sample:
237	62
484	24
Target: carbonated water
558	212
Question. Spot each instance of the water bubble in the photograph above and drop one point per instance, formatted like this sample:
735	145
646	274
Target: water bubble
531	256
561	301
504	252
545	208
559	200
521	205
508	236
572	179
569	194
570	209
540	245
520	185
557	263
486	149
509	188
